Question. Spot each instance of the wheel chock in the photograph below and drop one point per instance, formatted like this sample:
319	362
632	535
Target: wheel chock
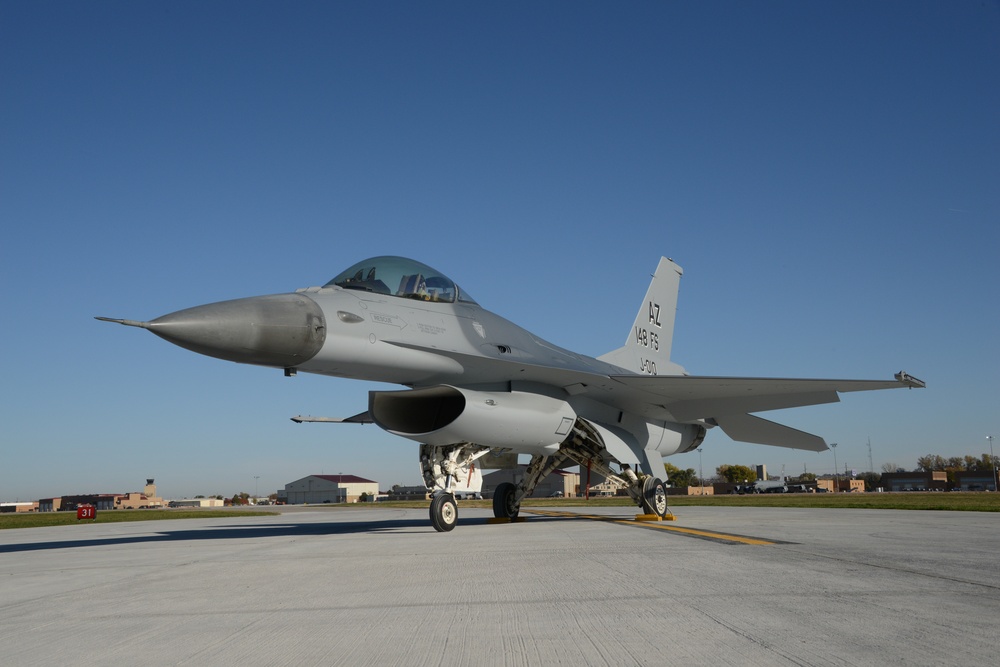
517	519
655	517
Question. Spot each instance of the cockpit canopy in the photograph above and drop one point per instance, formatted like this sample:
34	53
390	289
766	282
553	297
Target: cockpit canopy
399	276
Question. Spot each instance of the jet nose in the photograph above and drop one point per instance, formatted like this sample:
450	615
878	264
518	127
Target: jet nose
282	330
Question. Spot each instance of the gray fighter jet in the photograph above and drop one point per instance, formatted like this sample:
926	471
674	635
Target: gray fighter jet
482	390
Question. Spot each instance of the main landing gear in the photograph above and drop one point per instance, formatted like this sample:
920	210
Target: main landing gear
585	448
654	497
504	504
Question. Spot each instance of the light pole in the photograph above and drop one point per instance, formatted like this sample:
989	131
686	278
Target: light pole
701	478
833	446
255	478
993	463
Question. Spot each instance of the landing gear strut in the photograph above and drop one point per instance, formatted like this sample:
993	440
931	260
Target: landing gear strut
586	447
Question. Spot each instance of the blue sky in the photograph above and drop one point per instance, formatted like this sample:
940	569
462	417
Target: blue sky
827	174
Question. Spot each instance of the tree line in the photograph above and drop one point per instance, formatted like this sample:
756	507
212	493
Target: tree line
737	474
734	474
949	465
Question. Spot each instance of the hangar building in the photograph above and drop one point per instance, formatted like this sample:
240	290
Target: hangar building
975	480
106	501
936	480
316	489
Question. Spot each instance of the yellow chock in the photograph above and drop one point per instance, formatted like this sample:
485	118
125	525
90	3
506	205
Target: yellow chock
655	517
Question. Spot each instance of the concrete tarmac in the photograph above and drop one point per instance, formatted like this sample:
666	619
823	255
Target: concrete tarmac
358	586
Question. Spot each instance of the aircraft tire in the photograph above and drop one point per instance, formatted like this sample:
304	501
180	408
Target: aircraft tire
654	497
503	501
444	512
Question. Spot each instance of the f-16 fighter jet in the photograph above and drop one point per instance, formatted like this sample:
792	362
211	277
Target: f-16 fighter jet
479	386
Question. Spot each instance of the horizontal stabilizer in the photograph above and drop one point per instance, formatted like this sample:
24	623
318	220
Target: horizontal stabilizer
363	418
747	428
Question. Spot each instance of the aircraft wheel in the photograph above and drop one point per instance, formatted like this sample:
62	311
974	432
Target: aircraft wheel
503	501
444	512
654	497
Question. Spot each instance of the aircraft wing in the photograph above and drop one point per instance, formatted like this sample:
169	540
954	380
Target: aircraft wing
693	397
727	402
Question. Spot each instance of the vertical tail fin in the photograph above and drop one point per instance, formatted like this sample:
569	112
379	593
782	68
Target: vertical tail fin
647	349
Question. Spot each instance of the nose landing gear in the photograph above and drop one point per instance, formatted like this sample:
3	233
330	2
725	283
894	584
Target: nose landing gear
444	512
442	467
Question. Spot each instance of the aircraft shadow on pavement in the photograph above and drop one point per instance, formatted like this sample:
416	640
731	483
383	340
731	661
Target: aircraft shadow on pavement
237	532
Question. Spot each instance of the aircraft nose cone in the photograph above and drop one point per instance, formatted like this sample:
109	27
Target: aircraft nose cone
282	330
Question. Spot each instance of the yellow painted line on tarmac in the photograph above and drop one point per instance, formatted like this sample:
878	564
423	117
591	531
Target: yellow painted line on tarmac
727	537
694	532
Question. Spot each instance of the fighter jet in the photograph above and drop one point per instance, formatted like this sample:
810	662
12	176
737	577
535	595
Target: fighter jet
481	390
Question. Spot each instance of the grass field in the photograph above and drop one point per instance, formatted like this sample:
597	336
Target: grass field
963	502
40	519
